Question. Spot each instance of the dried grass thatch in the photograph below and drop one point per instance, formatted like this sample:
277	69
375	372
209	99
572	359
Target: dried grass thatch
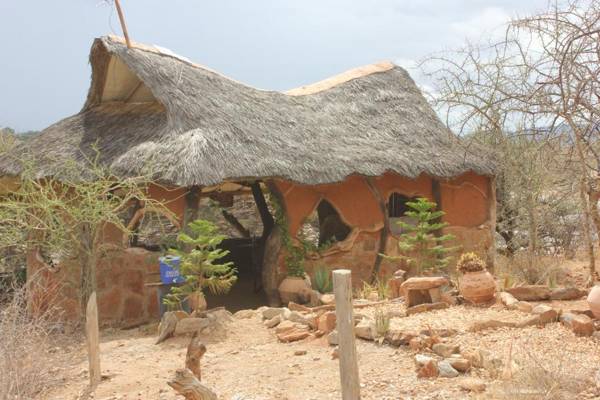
192	126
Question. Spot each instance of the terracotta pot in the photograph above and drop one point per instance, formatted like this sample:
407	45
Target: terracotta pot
290	289
593	300
477	287
197	301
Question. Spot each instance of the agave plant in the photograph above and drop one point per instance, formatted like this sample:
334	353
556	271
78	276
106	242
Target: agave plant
322	281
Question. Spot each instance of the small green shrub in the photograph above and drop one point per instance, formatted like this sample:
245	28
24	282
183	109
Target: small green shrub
322	281
199	263
382	323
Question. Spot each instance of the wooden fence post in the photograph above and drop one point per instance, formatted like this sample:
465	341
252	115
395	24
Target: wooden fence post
342	288
92	334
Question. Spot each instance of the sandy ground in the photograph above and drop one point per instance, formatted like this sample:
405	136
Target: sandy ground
245	361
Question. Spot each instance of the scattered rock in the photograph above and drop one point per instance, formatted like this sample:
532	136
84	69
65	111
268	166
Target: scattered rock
530	292
523	306
474	357
546	313
399	338
416	344
531	321
297	307
284	326
191	325
327	322
426	307
508	300
429	370
273	322
445	350
491	324
180	314
460	364
446	370
449	298
423	283
333	338
293	335
300	352
308	320
373	296
586	312
271	312
442	332
580	324
219	316
365	329
335	353
422	359
472	385
327	299
490	363
568	293
244	314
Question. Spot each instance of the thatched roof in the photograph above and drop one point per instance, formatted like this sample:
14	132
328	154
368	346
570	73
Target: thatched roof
150	109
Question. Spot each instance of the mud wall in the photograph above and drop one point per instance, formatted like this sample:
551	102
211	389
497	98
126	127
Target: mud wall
468	200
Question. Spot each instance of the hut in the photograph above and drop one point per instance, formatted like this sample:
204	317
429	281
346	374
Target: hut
344	155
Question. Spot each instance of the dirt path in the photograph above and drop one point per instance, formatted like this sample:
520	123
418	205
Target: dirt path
246	362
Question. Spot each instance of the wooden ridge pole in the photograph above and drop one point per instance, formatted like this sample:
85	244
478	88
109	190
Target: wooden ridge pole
123	25
342	288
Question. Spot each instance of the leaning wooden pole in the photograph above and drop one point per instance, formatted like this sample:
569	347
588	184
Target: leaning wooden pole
342	288
92	334
123	24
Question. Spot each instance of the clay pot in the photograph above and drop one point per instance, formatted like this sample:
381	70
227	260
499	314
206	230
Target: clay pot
291	288
593	300
197	301
477	287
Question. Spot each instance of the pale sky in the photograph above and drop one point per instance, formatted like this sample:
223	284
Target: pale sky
269	44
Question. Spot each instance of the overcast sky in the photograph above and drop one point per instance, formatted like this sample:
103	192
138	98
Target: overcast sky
270	44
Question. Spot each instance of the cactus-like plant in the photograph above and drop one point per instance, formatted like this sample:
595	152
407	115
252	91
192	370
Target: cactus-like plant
470	262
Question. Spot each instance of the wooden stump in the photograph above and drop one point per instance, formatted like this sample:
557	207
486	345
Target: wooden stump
92	334
186	384
342	288
195	351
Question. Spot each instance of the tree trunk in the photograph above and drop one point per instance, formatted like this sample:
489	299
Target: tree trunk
586	232
195	351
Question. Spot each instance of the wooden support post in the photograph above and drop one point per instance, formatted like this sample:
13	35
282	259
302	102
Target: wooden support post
195	351
123	24
342	288
92	334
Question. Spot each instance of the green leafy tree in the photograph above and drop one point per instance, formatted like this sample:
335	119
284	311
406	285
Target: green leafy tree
200	263
419	243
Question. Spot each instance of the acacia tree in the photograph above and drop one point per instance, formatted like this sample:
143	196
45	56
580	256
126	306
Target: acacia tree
65	220
539	82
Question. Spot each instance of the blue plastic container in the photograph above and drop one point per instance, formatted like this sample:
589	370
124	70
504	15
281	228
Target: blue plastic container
169	270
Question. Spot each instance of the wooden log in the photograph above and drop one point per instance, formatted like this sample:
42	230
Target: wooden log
166	329
342	288
186	384
195	351
92	334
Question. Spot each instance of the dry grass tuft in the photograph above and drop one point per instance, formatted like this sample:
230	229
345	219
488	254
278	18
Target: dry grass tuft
537	379
523	268
29	357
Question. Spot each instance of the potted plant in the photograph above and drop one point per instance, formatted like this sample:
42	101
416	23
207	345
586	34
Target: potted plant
593	300
199	263
475	284
294	283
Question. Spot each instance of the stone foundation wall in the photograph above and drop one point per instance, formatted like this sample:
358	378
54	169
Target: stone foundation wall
123	298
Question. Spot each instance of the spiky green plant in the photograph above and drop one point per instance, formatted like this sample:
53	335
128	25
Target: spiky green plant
199	263
419	243
322	279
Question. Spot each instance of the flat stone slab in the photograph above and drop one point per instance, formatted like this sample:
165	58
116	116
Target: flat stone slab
530	292
424	283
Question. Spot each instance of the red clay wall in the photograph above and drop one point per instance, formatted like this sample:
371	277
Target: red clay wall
468	201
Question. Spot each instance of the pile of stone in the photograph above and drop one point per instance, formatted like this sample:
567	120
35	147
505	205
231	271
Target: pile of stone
299	322
579	322
180	323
